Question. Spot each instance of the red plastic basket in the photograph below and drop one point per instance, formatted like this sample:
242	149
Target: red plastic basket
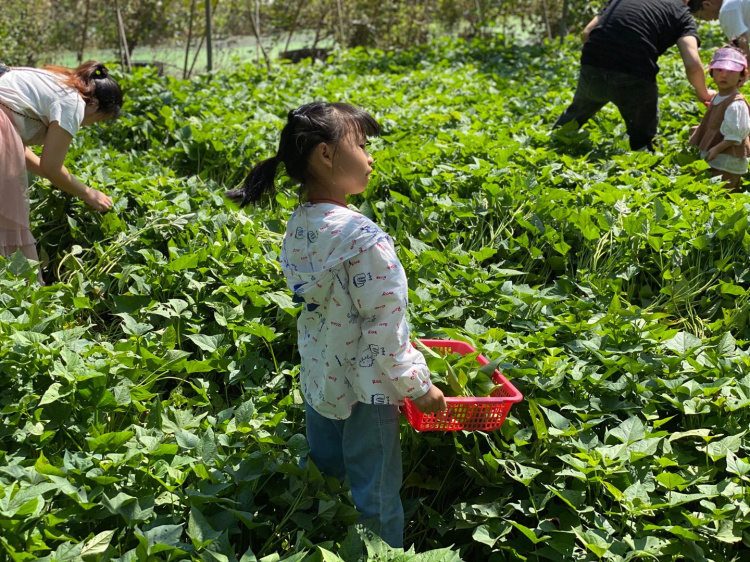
484	414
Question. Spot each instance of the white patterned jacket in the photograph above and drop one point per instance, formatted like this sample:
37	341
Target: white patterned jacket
352	334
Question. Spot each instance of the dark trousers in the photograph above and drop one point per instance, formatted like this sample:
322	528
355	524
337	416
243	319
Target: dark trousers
635	97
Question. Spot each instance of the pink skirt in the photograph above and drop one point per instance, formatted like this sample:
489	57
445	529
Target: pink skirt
15	233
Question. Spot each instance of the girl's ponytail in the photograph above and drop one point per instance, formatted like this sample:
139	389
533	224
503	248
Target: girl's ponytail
258	181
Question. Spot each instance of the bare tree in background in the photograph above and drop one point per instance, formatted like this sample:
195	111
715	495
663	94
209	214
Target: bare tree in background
33	30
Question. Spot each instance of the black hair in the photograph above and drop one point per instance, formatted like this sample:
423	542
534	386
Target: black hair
306	127
92	80
694	5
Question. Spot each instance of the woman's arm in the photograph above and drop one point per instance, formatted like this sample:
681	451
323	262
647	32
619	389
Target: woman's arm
50	165
587	30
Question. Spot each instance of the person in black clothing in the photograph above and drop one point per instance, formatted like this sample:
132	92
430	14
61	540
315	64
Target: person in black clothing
621	46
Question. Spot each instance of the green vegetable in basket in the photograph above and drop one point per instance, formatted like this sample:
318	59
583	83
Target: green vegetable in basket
458	375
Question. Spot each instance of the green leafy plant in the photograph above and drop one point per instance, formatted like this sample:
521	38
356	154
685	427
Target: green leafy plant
150	403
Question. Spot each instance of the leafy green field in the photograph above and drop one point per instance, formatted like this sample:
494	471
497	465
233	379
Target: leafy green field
150	403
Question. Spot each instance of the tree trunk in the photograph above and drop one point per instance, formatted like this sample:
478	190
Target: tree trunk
123	38
256	31
84	32
339	10
189	38
318	29
200	45
545	19
294	24
209	43
564	20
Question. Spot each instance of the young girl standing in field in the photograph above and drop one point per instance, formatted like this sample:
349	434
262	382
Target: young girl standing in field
46	107
357	364
722	135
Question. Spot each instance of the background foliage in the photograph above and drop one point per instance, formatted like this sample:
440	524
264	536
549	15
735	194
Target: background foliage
34	32
150	409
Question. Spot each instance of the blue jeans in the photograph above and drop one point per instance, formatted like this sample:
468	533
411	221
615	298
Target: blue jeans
635	97
365	447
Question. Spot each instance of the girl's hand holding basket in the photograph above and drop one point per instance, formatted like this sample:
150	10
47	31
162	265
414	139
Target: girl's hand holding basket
431	402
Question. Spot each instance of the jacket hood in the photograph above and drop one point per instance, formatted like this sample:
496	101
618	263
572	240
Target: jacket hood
319	238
